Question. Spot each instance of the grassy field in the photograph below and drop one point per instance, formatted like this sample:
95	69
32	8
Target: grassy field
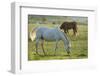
79	49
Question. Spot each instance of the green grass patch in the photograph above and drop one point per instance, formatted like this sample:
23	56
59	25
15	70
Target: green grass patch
79	49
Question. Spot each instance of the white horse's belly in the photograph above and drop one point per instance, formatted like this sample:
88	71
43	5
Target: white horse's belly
50	36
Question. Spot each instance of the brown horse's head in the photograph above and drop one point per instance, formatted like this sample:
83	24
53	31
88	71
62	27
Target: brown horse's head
62	26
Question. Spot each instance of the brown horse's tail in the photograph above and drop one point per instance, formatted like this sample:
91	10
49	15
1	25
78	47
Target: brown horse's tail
75	28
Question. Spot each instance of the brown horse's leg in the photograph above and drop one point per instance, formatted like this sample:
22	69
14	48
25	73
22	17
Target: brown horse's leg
74	32
65	30
42	43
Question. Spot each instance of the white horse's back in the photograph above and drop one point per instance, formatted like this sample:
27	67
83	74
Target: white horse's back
49	34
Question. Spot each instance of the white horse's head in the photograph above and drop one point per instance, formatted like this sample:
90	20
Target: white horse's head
68	48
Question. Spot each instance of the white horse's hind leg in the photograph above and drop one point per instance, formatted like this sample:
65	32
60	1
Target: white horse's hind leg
56	47
42	43
37	42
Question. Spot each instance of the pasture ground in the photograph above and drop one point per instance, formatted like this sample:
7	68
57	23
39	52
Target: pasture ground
79	48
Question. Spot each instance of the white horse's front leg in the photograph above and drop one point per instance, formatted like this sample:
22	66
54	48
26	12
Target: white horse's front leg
56	47
68	51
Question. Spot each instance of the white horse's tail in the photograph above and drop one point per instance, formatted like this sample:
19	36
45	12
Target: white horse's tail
33	34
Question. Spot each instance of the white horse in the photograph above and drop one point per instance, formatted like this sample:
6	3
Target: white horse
49	34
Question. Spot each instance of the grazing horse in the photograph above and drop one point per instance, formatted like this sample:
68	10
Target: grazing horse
69	25
49	34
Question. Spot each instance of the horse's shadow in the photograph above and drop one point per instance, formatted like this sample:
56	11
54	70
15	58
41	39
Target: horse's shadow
49	55
82	55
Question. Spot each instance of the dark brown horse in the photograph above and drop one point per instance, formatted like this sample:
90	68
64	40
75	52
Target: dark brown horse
69	25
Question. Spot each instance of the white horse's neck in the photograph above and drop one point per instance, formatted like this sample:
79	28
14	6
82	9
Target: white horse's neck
66	41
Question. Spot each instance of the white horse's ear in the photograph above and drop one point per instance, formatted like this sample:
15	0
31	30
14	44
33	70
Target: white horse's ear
59	26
